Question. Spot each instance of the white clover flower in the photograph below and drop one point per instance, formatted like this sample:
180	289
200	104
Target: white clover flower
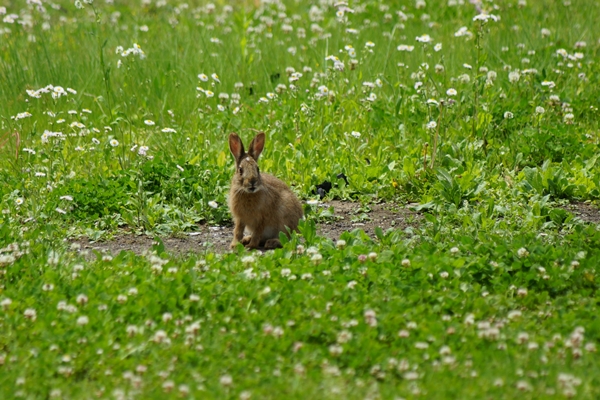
514	314
83	320
568	118
425	38
539	110
213	204
248	260
463	31
30	313
5	303
524	386
335	350
549	84
411	375
522	252
464	78
484	17
22	115
404	47
370	318
514	76
226	380
285	272
81	299
160	336
431	125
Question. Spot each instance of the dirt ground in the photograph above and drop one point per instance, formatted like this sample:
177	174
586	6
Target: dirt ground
346	217
585	211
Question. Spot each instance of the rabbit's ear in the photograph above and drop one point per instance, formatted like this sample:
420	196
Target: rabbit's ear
257	145
236	146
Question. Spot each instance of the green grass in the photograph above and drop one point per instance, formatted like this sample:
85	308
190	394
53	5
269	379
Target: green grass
496	288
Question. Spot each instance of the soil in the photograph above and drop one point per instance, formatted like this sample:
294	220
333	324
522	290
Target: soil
346	216
585	211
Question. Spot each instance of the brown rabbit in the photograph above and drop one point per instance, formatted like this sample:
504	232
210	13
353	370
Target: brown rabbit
259	203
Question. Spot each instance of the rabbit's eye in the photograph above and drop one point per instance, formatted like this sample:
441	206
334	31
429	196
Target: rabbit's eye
257	169
241	170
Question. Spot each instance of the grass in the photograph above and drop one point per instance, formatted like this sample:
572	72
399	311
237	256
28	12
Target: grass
491	129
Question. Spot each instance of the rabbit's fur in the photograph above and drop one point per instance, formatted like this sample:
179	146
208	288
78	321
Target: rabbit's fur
259	203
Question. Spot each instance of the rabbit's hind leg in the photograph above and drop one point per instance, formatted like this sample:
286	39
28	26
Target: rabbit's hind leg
272	244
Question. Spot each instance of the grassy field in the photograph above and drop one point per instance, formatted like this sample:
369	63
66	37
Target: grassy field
114	117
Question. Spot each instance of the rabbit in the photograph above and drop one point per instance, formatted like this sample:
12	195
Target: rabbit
259	203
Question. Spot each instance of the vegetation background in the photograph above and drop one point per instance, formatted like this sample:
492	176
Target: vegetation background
115	116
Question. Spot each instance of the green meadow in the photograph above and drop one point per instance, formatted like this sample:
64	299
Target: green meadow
481	117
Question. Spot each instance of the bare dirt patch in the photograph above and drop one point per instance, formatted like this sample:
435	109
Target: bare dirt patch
350	216
346	216
585	211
